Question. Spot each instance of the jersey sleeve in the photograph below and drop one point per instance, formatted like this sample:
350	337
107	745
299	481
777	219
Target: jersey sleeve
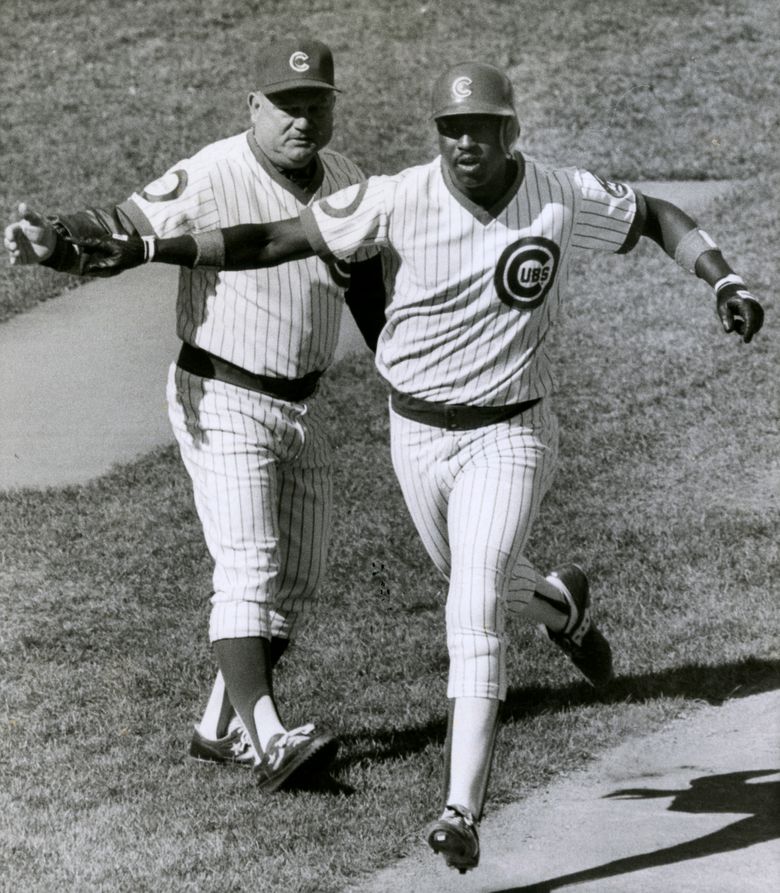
180	201
610	215
351	219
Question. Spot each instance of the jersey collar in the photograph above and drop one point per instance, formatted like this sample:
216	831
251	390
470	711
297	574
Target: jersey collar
303	192
485	215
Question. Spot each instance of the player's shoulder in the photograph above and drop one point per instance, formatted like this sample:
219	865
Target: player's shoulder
543	170
221	150
340	166
332	156
418	176
579	179
591	183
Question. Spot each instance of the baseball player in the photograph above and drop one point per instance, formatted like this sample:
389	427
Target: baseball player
483	237
241	394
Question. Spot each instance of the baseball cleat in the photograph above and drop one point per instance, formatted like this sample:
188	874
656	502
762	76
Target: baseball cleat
303	749
235	749
587	648
455	835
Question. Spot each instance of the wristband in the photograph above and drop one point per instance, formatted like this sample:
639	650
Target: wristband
731	279
150	248
691	247
209	249
149	244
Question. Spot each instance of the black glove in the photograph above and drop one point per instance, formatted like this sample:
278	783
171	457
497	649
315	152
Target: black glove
109	255
739	311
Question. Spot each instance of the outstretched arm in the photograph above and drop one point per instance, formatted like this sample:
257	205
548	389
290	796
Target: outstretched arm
680	237
247	246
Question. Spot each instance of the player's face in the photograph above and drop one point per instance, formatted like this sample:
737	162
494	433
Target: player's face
292	126
472	149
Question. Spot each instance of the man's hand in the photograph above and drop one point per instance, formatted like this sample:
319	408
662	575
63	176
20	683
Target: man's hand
30	239
109	255
739	311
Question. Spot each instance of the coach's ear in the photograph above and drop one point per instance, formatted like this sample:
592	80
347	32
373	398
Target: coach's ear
253	101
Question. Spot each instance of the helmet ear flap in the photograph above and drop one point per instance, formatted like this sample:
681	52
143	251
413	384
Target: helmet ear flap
510	133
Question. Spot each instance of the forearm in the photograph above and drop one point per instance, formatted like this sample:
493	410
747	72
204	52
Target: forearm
679	235
696	252
248	246
231	248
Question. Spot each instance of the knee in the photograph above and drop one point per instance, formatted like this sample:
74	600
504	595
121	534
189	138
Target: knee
477	664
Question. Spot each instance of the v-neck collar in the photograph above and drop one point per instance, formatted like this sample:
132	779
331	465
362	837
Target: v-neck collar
485	215
304	196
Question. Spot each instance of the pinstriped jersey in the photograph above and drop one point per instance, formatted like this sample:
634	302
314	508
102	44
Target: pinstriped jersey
476	291
283	321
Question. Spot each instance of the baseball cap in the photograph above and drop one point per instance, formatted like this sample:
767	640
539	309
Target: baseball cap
296	63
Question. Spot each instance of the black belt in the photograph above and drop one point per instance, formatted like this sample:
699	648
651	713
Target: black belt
201	362
455	416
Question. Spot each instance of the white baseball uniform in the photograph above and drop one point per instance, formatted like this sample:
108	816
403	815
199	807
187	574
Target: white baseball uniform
474	297
260	466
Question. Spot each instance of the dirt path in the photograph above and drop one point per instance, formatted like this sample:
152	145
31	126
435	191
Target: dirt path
694	808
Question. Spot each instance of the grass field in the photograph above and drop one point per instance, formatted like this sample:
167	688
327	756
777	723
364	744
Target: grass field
666	491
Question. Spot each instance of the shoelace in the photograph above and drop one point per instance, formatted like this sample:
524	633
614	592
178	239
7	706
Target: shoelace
460	812
289	736
245	739
244	743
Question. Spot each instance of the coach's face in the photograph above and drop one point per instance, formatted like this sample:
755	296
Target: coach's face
472	149
292	126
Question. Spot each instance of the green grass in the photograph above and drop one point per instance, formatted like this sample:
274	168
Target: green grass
668	452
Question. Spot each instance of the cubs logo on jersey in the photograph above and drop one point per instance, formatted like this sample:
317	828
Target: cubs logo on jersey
526	271
352	195
166	188
618	190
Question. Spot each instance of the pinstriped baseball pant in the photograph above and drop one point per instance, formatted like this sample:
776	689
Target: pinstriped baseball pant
261	478
473	496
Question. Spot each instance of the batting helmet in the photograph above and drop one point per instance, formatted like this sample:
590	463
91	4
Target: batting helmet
473	88
476	88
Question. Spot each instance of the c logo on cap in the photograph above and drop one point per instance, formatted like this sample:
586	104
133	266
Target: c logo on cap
461	87
299	61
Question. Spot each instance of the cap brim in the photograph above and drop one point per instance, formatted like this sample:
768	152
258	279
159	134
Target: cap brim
295	83
472	108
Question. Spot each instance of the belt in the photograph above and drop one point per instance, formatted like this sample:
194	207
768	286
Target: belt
455	416
206	365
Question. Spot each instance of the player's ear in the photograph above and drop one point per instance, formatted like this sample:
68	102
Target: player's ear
510	134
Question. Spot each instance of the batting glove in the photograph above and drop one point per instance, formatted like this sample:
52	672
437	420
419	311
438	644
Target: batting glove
738	310
109	255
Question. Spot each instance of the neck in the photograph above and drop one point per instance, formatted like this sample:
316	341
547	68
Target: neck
487	194
298	175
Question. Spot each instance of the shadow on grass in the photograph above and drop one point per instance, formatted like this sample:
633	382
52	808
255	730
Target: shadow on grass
715	685
323	784
732	792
